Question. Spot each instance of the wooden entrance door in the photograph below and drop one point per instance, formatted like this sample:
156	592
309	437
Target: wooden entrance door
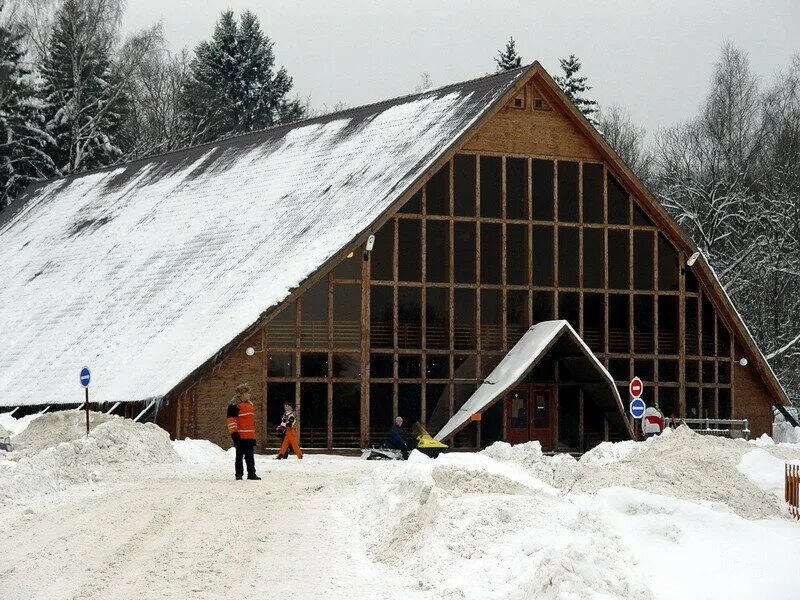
530	415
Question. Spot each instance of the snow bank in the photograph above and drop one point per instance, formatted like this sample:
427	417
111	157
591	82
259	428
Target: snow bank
53	455
50	429
507	522
765	471
198	451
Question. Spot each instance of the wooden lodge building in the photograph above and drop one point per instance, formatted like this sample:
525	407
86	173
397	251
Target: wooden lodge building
519	269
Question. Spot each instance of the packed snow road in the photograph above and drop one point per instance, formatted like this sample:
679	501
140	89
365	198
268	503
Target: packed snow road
127	513
191	531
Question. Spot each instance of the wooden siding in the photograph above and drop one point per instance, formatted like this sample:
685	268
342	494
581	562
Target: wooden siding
753	400
534	132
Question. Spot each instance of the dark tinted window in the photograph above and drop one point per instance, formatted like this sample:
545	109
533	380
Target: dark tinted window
382	253
380	317
668	324
381	366
409	257
542	255
437	251
464	252
436	318
543	190
639	218
643	260
593	258
594	311
464	318
437	192
491	252
409	366
618	249
313	364
414	205
280	365
542	307
643	320
568	308
668	272
516	188
568	191
618	323
618	203
464	185
517	254
592	193
491	318
568	256
409	317
491	186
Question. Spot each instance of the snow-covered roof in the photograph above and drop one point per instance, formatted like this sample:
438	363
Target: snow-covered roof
143	272
526	353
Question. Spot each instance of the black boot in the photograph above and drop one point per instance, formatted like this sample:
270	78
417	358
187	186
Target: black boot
254	477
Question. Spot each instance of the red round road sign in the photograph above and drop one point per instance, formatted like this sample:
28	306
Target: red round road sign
636	387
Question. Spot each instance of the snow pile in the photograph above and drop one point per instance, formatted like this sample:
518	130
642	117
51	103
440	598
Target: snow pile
451	523
512	523
48	462
685	465
765	471
199	451
53	428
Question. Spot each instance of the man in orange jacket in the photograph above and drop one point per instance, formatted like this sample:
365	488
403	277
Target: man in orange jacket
287	427
241	423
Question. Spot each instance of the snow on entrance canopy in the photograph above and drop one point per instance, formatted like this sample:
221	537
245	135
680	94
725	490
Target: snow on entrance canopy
561	339
143	272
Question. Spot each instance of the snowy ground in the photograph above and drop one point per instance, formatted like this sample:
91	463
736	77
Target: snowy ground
127	514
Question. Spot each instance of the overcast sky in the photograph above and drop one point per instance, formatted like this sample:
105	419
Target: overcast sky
653	57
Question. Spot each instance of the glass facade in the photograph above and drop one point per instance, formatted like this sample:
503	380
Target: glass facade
489	246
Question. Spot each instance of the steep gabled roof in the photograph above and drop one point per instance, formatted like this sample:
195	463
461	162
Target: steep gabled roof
576	361
145	271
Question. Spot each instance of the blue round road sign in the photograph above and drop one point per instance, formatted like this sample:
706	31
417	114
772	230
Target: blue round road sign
637	408
86	376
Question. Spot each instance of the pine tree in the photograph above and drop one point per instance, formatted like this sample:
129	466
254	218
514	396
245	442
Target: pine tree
508	59
23	142
232	86
575	88
84	97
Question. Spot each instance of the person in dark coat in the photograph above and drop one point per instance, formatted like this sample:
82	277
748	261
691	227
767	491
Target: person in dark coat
241	423
397	439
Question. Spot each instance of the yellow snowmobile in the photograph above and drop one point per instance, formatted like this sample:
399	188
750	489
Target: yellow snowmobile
425	444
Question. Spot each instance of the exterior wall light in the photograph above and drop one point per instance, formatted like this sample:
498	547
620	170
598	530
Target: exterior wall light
370	245
743	361
693	259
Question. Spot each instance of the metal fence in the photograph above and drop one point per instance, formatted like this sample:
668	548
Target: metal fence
733	428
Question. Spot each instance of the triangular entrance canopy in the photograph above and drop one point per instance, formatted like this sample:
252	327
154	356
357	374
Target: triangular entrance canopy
577	363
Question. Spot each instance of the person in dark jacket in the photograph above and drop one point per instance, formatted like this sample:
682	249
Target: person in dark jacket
397	439
241	422
288	429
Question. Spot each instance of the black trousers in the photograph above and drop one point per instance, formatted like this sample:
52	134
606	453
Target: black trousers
245	449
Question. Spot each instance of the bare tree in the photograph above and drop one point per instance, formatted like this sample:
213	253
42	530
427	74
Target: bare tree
627	139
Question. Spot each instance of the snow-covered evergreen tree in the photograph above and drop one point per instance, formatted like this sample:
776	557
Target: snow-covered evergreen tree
23	142
233	86
574	86
508	59
84	96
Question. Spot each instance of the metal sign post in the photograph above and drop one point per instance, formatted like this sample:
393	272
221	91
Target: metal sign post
637	405
85	378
